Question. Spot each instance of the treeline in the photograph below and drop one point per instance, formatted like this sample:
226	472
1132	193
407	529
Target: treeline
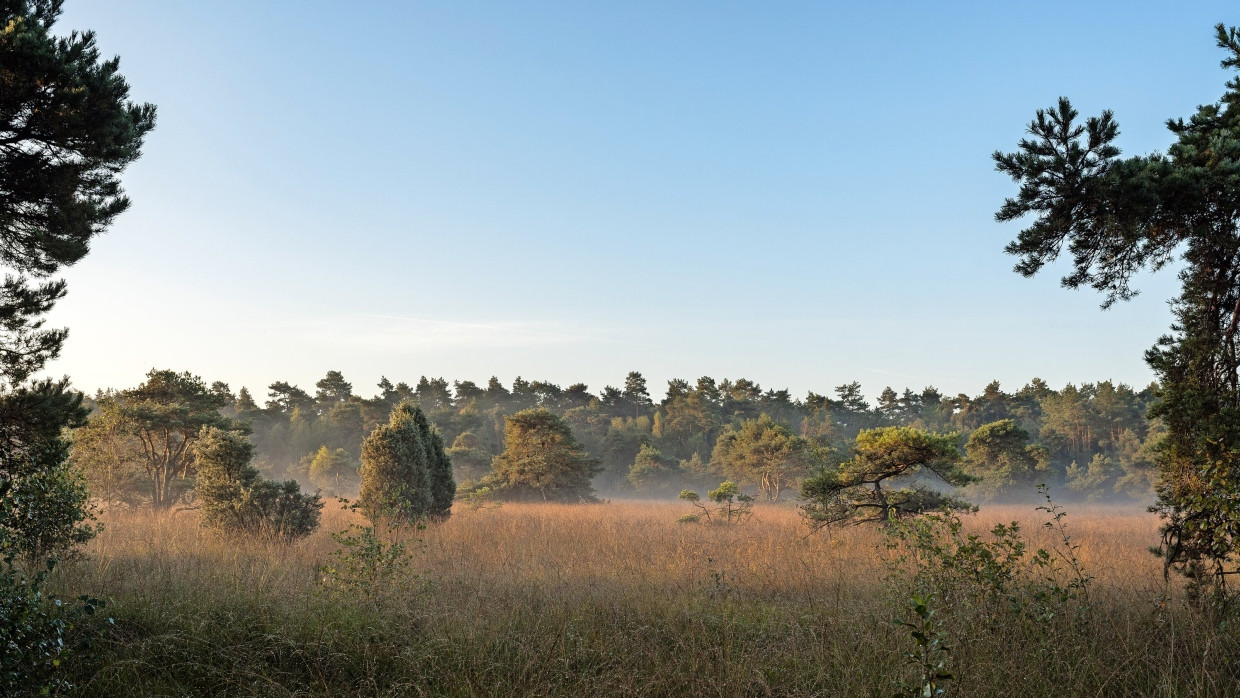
1090	441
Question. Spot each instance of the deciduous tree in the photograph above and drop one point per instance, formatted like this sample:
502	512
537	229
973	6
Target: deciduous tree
334	471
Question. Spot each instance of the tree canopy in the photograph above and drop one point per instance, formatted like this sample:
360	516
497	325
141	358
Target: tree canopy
157	422
67	132
543	460
406	473
1119	216
858	490
999	455
763	453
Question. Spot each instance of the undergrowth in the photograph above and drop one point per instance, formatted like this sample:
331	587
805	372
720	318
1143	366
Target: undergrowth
621	600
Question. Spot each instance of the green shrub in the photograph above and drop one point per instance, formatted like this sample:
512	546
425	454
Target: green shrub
368	562
44	505
45	513
945	572
733	506
406	473
236	499
930	654
37	632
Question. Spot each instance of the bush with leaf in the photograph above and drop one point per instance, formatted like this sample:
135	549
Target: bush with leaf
977	587
371	559
406	473
235	498
37	632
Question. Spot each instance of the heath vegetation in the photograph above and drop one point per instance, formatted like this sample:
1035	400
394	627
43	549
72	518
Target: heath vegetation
589	599
177	538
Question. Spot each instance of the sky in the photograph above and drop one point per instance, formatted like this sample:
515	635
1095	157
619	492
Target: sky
801	194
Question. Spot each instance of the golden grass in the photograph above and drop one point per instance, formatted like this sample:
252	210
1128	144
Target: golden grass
613	599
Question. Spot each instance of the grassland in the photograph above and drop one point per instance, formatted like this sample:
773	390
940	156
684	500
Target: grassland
616	599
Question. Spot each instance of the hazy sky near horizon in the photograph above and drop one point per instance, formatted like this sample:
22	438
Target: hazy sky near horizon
797	193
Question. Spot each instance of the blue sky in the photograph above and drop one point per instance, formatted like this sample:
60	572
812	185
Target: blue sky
797	193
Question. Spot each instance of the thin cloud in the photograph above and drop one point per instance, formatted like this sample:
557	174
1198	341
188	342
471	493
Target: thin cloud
897	374
505	328
378	331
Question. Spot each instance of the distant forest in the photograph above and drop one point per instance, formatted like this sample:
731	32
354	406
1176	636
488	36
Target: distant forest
1088	441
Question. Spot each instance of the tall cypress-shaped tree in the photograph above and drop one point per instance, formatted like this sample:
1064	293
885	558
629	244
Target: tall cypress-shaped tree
439	468
406	473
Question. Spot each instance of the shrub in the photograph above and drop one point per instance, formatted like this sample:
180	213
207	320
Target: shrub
406	472
929	656
997	572
45	513
734	506
36	632
236	499
44	505
367	562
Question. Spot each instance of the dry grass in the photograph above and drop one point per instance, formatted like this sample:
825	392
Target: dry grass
613	599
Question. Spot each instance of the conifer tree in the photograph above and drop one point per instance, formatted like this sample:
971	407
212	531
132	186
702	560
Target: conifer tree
1119	216
406	472
439	467
861	489
67	131
542	459
236	499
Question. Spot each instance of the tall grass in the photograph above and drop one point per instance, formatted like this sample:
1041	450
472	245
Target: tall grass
613	599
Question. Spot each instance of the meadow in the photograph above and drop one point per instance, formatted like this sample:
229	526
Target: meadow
617	599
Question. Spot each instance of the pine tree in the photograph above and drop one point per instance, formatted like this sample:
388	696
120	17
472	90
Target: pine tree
67	131
332	388
1118	217
542	460
861	489
635	392
889	404
245	402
